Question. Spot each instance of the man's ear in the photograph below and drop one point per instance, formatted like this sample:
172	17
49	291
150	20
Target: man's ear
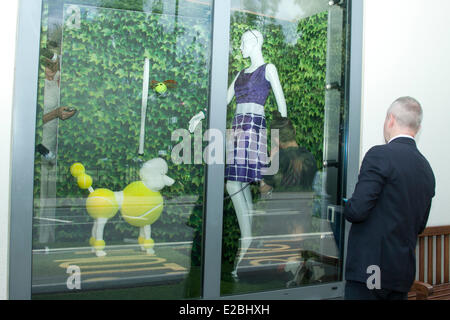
418	130
391	121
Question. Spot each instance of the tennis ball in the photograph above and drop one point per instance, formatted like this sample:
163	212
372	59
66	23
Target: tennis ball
102	204
148	243
77	169
161	88
141	206
84	181
99	244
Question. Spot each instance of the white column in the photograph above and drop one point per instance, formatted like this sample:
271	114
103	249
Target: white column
8	25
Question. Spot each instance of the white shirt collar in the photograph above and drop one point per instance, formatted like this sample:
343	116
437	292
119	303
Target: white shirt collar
401	136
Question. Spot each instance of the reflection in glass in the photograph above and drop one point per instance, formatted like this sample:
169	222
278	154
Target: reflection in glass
293	226
109	223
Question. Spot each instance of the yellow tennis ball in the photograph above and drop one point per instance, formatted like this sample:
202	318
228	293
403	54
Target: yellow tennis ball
77	169
161	88
99	244
102	203
148	243
141	206
84	181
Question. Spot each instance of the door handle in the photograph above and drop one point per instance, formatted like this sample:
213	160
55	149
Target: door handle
337	3
331	163
333	86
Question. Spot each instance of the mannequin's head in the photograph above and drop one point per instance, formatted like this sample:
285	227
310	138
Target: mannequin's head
251	42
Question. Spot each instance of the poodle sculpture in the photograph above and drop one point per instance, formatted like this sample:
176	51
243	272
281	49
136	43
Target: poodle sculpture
140	203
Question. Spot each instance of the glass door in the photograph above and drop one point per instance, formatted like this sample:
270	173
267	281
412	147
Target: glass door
118	206
282	222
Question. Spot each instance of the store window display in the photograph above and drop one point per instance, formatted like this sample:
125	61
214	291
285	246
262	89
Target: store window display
125	116
116	215
279	241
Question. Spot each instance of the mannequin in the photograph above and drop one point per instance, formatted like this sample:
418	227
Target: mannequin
248	88
251	88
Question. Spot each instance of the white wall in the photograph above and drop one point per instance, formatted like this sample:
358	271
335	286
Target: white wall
407	52
8	24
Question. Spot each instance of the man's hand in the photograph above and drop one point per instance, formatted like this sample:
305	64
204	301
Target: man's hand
264	188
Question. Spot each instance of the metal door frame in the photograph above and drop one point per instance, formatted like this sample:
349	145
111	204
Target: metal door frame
23	150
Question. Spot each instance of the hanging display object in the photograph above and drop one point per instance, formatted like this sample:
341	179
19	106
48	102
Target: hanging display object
161	87
144	105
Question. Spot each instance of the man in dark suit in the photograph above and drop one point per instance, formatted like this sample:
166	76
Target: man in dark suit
388	210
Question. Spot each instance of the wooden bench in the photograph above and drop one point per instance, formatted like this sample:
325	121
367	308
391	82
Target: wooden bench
434	283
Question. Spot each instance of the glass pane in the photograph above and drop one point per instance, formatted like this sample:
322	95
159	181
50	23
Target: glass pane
114	215
282	223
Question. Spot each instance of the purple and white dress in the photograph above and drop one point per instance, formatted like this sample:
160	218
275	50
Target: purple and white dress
247	142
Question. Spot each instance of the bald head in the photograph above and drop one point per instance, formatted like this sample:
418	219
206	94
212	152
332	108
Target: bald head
408	112
404	116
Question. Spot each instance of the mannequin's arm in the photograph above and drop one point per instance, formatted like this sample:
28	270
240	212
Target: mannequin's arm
272	77
62	113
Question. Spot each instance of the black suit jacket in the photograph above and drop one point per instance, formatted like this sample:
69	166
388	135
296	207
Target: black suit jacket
388	210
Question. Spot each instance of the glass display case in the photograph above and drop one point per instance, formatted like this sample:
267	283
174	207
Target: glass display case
288	231
187	149
119	78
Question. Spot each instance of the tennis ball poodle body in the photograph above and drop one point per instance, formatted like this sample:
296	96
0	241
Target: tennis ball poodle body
140	203
141	206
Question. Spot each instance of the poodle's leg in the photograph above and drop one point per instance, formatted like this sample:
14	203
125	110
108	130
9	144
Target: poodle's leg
93	235
148	242
99	243
141	238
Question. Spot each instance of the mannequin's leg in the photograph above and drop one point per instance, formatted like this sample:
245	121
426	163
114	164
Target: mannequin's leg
248	200
242	213
99	243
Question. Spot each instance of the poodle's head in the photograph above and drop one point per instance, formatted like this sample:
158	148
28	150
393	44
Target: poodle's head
153	174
